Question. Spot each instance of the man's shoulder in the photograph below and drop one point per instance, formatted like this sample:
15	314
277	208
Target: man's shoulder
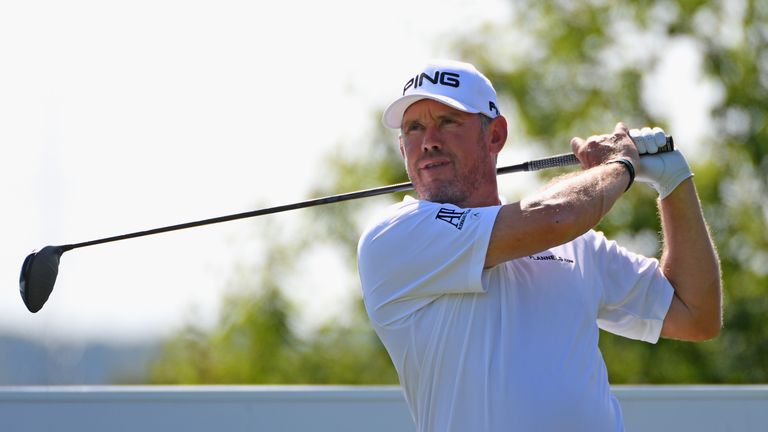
591	239
395	214
412	219
411	210
587	247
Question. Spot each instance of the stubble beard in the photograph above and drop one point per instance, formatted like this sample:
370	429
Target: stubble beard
460	189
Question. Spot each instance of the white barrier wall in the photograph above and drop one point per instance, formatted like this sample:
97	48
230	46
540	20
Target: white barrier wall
338	409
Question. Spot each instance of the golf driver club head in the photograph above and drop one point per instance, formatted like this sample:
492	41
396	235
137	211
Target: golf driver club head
38	275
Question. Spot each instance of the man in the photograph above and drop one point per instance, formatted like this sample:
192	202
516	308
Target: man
491	313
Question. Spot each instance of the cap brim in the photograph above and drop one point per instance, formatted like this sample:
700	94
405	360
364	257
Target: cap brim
393	115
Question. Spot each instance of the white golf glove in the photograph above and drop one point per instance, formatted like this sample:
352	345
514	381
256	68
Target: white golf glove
663	171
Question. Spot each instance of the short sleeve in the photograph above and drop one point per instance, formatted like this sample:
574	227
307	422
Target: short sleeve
421	250
635	293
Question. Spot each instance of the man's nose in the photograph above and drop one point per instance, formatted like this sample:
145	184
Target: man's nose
433	139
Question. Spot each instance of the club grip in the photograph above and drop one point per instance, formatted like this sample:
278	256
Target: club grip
568	159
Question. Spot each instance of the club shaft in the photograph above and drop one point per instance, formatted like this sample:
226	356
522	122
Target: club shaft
261	212
561	160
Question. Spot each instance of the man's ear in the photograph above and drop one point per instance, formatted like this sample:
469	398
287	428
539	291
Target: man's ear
402	149
498	134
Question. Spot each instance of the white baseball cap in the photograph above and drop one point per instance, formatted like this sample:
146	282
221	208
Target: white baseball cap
457	84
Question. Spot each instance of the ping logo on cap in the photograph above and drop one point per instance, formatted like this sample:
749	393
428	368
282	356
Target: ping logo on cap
450	79
456	84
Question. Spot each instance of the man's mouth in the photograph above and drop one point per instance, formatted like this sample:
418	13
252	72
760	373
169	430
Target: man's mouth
427	165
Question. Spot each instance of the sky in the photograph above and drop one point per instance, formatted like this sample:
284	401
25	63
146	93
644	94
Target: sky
123	116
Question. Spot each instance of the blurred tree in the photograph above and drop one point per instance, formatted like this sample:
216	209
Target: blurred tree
577	67
255	340
562	68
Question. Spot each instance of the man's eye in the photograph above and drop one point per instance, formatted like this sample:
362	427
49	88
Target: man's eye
447	121
413	127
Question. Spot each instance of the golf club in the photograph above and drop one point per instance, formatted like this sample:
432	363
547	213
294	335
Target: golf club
40	268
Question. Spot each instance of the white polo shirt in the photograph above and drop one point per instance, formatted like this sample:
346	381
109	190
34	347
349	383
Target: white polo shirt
513	347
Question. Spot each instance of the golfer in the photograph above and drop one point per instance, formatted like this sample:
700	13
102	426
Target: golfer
490	312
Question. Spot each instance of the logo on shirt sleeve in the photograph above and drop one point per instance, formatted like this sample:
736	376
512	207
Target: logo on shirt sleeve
453	217
550	257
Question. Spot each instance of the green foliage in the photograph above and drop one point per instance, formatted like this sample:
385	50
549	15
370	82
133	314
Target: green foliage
563	68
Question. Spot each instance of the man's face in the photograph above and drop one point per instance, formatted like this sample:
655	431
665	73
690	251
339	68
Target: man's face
448	156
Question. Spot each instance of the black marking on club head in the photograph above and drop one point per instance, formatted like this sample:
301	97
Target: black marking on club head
38	275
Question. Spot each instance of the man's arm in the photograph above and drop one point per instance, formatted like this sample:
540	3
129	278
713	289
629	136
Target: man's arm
691	264
689	260
570	206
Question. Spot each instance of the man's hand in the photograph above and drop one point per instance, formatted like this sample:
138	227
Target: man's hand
598	149
663	171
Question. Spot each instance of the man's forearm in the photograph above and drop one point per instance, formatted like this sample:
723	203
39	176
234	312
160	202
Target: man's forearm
570	206
584	197
690	261
562	211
